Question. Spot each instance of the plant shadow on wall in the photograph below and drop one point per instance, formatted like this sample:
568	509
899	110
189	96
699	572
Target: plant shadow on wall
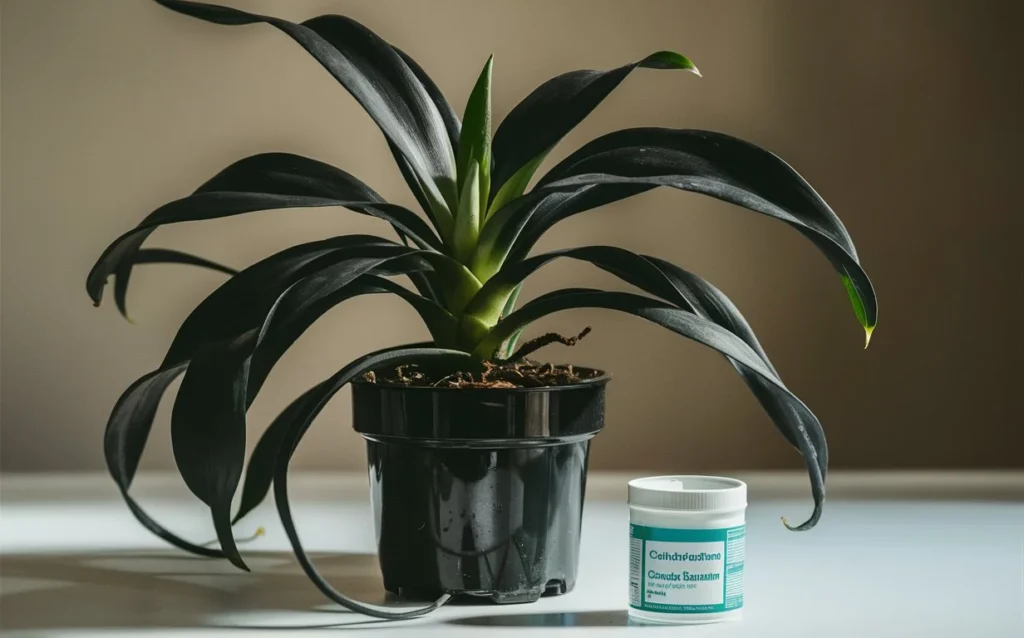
466	261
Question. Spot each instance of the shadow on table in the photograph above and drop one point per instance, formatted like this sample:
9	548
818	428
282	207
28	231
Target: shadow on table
169	589
618	618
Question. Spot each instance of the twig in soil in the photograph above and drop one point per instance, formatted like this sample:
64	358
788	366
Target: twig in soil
537	343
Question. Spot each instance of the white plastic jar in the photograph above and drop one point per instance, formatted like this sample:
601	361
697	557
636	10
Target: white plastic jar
686	539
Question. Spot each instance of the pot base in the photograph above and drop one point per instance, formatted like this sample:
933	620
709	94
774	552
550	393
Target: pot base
552	588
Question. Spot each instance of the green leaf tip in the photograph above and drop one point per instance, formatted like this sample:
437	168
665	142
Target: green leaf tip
671	60
475	140
859	310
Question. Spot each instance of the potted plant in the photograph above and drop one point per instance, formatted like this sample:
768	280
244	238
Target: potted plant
477	454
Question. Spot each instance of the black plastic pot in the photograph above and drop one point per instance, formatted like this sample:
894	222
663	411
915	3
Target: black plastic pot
478	492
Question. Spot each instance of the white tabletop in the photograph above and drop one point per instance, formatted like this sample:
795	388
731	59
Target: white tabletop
75	563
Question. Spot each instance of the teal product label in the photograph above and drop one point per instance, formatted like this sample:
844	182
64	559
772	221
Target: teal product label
686	571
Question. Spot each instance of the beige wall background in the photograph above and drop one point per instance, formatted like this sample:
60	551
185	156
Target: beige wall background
904	115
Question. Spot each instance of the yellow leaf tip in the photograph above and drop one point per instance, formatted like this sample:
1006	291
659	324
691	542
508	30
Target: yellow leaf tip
868	331
694	70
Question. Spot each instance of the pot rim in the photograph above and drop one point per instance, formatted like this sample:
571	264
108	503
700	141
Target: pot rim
602	378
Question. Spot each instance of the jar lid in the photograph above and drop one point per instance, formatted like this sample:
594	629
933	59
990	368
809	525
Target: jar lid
688	493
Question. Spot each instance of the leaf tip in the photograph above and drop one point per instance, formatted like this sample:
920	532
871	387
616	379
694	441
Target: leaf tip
670	60
868	331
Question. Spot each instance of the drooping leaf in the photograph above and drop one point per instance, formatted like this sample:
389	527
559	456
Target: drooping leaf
687	324
204	407
651	274
709	302
307	300
170	256
157	256
309	406
259	473
377	77
208	431
630	161
125	439
554	108
221	381
261	182
475	143
241	303
229	311
680	287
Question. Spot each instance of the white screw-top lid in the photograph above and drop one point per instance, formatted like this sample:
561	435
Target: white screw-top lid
688	493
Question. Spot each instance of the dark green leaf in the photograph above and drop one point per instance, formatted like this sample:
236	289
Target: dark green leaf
443	220
475	143
261	182
241	303
687	324
630	161
157	256
309	299
259	473
376	76
510	305
309	406
687	291
498	239
554	108
169	256
673	284
230	310
208	430
223	378
125	439
448	115
421	281
710	303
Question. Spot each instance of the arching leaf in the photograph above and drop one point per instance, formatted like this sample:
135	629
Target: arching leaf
692	326
157	256
219	387
553	109
376	75
630	161
306	410
262	182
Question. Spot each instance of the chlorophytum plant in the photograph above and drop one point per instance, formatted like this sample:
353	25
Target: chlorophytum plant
485	208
